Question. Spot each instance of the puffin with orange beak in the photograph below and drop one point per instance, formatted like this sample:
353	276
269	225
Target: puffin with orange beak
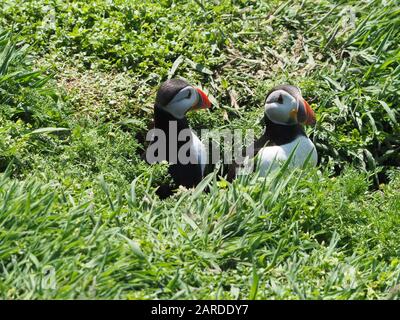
285	113
185	153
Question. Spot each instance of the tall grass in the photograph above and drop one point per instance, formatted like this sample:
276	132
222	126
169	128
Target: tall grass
288	230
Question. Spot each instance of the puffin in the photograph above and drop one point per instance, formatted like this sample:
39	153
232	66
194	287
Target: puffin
174	99
285	114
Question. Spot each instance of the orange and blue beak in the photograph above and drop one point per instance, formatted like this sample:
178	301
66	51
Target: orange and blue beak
203	101
305	114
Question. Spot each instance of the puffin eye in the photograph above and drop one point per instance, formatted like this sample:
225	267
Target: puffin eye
280	99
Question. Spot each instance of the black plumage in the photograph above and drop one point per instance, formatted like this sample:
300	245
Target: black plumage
187	175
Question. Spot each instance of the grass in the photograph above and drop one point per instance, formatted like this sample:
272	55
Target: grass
79	217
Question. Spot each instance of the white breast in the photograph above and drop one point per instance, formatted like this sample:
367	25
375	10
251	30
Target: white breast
270	158
198	149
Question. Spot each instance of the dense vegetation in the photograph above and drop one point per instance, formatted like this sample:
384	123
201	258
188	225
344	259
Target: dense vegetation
79	217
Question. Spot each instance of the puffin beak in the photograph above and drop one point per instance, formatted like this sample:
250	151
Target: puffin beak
203	102
310	115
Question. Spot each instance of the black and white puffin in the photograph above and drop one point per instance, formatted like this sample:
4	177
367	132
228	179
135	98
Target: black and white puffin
285	113
174	99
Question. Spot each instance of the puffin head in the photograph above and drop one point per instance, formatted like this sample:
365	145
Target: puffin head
177	97
285	105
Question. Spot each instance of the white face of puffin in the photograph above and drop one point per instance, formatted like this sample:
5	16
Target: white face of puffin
283	108
187	99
